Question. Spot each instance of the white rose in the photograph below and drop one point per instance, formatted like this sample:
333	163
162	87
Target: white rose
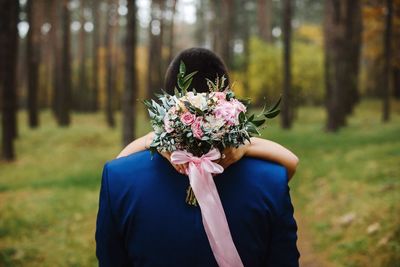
199	100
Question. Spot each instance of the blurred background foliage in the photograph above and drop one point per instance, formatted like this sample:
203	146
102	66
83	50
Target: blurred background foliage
73	72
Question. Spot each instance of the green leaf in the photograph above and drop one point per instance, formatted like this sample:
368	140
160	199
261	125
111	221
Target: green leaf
182	68
272	114
181	84
251	118
176	92
198	111
251	128
276	104
186	85
211	84
187	77
258	123
242	117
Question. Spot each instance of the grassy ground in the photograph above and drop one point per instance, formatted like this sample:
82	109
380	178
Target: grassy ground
346	190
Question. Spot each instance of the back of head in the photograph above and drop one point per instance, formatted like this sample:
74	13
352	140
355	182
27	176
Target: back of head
207	63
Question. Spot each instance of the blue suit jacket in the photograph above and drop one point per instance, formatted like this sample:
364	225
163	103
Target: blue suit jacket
143	219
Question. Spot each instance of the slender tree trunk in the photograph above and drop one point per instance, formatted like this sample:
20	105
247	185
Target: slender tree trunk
226	48
396	81
55	38
81	92
353	30
155	59
216	26
9	13
342	43
64	94
95	70
245	32
33	56
222	24
200	32
387	64
130	88
171	32
110	89
287	75
46	58
264	18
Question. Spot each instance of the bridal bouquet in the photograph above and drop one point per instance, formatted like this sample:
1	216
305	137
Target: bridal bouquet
199	122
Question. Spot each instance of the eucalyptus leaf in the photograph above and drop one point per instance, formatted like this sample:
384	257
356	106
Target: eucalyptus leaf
182	68
258	123
272	114
276	104
189	76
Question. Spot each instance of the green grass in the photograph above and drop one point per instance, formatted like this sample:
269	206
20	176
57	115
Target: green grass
49	196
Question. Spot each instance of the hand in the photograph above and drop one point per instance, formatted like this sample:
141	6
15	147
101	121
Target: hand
231	154
148	139
181	168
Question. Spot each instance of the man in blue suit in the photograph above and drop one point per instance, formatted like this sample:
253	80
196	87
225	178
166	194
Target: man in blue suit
143	219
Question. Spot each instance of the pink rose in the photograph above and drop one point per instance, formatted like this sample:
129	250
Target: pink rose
220	95
187	118
239	106
196	128
229	111
226	111
168	125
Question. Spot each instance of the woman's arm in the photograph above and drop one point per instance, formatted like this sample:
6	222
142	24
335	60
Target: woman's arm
263	149
269	150
143	143
137	145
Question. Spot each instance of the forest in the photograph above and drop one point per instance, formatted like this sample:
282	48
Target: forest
74	73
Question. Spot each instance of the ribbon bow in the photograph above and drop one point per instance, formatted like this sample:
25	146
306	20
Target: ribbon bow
214	220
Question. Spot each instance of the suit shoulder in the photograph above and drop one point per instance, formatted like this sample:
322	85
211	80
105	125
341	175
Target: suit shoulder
272	173
121	168
271	179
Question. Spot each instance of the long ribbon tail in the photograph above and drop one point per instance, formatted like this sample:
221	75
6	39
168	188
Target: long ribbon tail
214	219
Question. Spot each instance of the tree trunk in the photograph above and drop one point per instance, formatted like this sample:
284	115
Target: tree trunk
396	82
201	29
353	35
45	83
396	52
55	38
387	64
33	56
110	84
171	33
9	17
64	95
223	26
155	59
96	44
130	88
245	35
264	18
342	39
81	91
287	109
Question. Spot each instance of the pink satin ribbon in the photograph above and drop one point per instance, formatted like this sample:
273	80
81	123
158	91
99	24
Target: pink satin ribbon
214	220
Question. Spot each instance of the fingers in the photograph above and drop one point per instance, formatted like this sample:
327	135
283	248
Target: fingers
225	163
181	168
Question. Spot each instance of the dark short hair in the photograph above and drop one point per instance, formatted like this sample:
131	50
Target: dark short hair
207	63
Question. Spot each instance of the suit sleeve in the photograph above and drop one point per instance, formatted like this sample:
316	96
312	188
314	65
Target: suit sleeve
283	249
110	250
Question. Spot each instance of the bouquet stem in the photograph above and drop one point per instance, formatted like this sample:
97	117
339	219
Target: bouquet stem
190	197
